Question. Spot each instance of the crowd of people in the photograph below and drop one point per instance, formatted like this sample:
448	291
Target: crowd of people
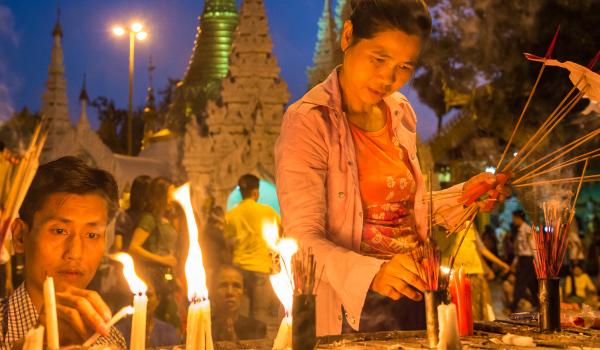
70	224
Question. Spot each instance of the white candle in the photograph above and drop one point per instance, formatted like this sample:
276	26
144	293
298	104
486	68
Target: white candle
138	323
448	337
283	340
198	330
50	311
34	339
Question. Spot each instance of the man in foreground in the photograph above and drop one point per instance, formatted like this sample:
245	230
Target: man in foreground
61	230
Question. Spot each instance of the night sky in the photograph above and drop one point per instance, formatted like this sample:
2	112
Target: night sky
90	48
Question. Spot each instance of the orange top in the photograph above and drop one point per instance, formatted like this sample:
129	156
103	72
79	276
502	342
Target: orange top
387	189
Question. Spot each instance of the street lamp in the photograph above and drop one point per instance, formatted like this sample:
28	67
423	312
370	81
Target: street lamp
135	32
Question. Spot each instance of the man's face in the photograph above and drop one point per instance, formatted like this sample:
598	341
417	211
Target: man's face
230	289
66	240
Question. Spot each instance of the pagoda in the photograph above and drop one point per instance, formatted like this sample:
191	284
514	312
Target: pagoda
327	52
208	64
243	123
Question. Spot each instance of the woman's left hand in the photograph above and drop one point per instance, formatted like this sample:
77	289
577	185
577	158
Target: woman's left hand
486	190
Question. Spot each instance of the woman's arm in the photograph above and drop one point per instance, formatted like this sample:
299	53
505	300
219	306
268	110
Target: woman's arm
490	256
135	248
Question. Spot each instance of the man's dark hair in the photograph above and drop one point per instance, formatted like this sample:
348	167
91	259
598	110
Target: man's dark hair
372	16
247	184
68	175
519	213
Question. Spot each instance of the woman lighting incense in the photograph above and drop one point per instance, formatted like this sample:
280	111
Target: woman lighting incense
348	177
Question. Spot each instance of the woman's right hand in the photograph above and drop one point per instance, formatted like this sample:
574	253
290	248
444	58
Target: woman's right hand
169	260
398	277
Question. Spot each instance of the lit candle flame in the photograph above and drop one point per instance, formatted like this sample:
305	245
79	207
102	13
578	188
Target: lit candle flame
136	285
194	270
282	282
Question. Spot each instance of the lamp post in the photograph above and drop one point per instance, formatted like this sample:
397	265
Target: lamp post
135	32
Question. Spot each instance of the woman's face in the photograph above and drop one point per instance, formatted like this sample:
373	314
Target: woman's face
375	68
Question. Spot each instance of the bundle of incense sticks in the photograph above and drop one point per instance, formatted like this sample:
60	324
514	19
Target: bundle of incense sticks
20	179
551	239
304	267
427	259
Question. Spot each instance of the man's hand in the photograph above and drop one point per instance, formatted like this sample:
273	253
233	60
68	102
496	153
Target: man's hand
486	190
398	277
81	313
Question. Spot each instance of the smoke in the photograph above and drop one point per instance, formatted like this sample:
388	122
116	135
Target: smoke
9	40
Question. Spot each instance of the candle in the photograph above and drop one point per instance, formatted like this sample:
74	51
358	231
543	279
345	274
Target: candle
199	328
34	339
50	311
138	323
140	302
468	303
448	337
127	310
283	340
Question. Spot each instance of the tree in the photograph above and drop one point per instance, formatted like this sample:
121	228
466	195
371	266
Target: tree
16	132
480	42
113	125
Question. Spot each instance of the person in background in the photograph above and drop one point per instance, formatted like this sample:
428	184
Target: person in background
154	245
489	239
127	220
579	287
158	332
250	252
61	232
575	250
212	241
470	259
226	296
523	262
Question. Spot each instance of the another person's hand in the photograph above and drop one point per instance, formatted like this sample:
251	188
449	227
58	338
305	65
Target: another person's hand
486	190
169	260
81	313
398	277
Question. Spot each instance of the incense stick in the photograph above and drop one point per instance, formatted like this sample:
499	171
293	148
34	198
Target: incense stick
590	155
570	180
546	131
563	150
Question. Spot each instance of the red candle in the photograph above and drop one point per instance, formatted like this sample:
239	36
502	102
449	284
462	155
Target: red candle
468	304
456	291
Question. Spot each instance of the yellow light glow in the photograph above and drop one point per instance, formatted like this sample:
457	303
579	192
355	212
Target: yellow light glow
137	27
141	35
270	231
282	282
118	31
194	270
136	285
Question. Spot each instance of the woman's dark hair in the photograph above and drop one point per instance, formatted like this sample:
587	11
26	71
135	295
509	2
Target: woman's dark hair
138	193
157	196
247	184
68	175
372	16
